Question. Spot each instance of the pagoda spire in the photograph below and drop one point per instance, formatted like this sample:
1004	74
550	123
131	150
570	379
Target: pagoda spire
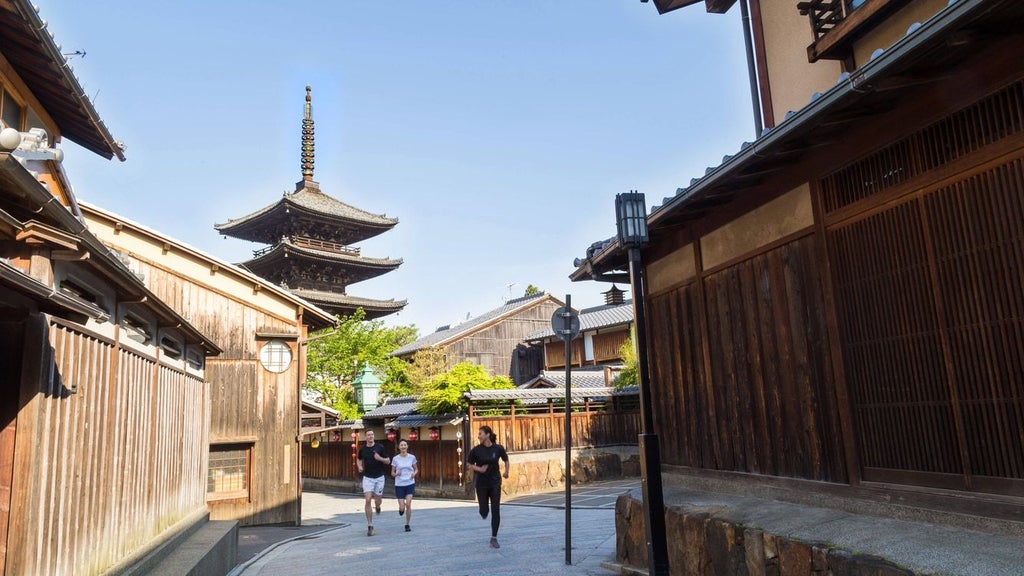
307	139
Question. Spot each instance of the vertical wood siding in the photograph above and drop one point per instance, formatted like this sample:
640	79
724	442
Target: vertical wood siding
547	431
770	377
248	403
102	471
931	308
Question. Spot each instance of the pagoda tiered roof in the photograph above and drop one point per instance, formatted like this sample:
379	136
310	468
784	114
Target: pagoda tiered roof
297	257
308	212
311	236
345	304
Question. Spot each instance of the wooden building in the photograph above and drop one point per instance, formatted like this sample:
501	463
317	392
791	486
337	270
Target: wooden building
255	384
495	339
311	237
103	404
603	331
837	307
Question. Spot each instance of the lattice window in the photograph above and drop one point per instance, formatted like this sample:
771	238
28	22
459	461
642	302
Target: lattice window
983	123
229	471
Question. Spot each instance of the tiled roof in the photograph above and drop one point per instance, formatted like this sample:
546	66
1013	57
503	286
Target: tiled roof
319	316
545	393
337	298
809	118
594	318
313	200
32	52
393	407
412	420
447	334
556	378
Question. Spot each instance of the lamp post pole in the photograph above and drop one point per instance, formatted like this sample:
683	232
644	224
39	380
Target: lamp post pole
632	228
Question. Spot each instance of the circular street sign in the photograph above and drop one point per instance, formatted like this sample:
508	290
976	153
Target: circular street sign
565	323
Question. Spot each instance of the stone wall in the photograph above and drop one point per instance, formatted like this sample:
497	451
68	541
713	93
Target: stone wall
545	471
702	545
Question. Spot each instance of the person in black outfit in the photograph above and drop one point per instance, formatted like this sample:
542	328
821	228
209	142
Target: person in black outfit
371	463
483	461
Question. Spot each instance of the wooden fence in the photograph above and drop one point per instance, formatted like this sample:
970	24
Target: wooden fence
546	431
333	460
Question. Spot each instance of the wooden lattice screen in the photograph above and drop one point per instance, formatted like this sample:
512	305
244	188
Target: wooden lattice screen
983	123
929	291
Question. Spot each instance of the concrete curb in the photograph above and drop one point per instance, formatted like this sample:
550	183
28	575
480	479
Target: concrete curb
238	570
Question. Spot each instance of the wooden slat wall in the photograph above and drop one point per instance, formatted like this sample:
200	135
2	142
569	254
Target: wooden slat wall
771	388
334	460
494	346
681	414
103	471
607	345
933	332
547	431
248	403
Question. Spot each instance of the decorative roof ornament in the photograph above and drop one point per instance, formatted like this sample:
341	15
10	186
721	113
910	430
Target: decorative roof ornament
308	156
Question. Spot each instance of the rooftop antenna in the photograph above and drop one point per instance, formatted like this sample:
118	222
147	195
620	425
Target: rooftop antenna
509	288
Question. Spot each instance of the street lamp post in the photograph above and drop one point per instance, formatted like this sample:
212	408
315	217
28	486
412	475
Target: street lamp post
631	223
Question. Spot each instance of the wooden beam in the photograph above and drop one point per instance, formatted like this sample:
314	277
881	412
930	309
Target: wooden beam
718	6
836	44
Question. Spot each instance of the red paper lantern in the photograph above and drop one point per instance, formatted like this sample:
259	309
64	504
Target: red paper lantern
392	434
355	436
414	434
435	434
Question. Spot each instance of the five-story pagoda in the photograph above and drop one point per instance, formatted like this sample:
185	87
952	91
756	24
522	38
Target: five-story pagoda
311	237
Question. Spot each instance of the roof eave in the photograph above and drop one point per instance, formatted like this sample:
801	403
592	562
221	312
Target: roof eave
100	141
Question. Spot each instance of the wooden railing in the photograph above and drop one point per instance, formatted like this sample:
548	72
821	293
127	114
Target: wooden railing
836	24
313	243
824	15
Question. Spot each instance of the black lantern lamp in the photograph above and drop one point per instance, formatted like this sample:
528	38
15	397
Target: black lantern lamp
631	222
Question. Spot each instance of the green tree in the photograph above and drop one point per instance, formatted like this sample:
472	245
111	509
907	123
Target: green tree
426	364
444	393
531	290
628	375
337	355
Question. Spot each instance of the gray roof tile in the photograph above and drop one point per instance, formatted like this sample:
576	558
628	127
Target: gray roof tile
594	318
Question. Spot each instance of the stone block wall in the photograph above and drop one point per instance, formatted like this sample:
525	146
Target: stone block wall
545	471
702	545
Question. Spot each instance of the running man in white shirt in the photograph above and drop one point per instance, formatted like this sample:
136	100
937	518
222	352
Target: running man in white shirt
404	470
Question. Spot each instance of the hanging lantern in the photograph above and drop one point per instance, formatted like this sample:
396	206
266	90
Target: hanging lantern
414	434
335	437
392	434
435	434
315	442
355	436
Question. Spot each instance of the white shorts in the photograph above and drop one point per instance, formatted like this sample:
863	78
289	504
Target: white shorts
375	485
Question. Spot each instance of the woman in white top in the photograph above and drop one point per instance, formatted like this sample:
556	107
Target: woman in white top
404	470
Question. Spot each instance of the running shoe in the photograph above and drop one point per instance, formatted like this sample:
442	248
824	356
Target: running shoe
407	528
494	543
369	530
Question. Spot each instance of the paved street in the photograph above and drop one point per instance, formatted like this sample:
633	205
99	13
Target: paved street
448	538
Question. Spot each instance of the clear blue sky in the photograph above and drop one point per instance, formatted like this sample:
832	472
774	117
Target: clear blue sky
497	131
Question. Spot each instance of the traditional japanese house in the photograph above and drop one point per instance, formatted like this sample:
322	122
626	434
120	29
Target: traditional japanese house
103	403
495	339
836	308
311	237
255	384
603	331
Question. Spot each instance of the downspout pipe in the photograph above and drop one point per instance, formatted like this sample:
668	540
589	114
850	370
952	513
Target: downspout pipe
748	43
